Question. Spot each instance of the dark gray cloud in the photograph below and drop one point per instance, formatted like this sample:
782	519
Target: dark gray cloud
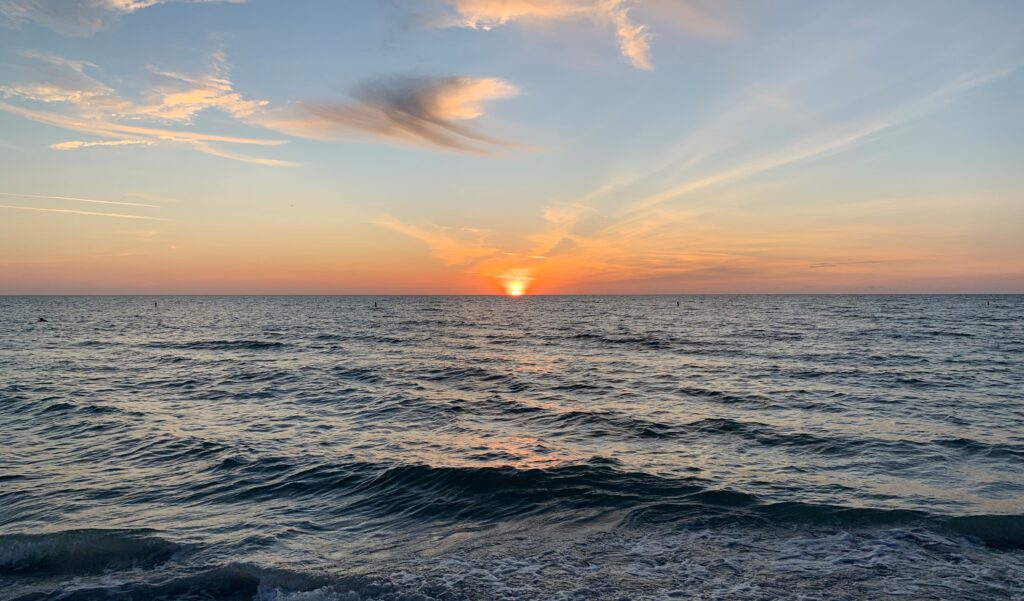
429	111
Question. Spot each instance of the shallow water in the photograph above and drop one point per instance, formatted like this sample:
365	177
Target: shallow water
733	447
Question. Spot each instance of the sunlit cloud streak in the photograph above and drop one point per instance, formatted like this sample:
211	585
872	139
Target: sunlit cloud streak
110	129
185	95
633	39
68	81
834	139
427	111
89	106
77	17
77	199
76	144
832	264
179	97
453	246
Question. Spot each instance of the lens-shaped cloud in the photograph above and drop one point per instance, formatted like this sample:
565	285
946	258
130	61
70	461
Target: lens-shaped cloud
429	111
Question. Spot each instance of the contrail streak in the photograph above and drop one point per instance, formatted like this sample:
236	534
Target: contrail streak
74	212
104	202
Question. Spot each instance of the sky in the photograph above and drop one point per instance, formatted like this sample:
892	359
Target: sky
511	146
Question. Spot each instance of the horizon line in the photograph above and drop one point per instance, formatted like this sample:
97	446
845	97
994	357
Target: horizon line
498	295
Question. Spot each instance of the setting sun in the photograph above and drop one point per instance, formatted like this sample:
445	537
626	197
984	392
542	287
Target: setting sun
515	287
516	281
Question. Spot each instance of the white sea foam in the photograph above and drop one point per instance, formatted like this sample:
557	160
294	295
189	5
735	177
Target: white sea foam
730	564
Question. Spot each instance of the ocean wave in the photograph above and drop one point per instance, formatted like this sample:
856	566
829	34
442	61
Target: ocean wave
421	494
641	341
977	447
220	345
734	563
83	552
724	397
54	406
360	374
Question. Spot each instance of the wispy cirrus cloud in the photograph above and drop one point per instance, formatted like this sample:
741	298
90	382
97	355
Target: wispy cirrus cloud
79	199
427	111
684	223
76	144
77	212
63	81
633	39
47	199
639	239
183	95
77	17
77	100
837	138
451	245
138	135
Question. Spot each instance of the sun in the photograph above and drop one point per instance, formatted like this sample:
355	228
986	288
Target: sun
516	281
515	287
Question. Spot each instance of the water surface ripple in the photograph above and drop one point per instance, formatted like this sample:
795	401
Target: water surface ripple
730	447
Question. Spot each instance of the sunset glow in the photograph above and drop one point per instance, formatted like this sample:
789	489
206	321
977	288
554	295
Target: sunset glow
623	146
495	299
515	287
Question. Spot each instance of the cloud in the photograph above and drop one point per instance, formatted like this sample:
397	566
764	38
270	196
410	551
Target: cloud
833	140
85	104
66	81
76	212
76	144
646	236
713	18
633	39
427	111
77	17
841	264
178	97
453	246
77	199
183	95
37	197
555	238
195	140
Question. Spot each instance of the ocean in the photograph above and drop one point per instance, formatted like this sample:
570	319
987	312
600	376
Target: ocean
455	448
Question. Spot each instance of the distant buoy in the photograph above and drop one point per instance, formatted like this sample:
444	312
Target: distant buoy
42	320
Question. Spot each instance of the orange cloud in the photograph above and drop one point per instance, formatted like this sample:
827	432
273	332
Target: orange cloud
453	246
634	40
427	111
76	144
89	106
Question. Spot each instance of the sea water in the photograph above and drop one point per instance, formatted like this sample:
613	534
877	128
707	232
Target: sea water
651	447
